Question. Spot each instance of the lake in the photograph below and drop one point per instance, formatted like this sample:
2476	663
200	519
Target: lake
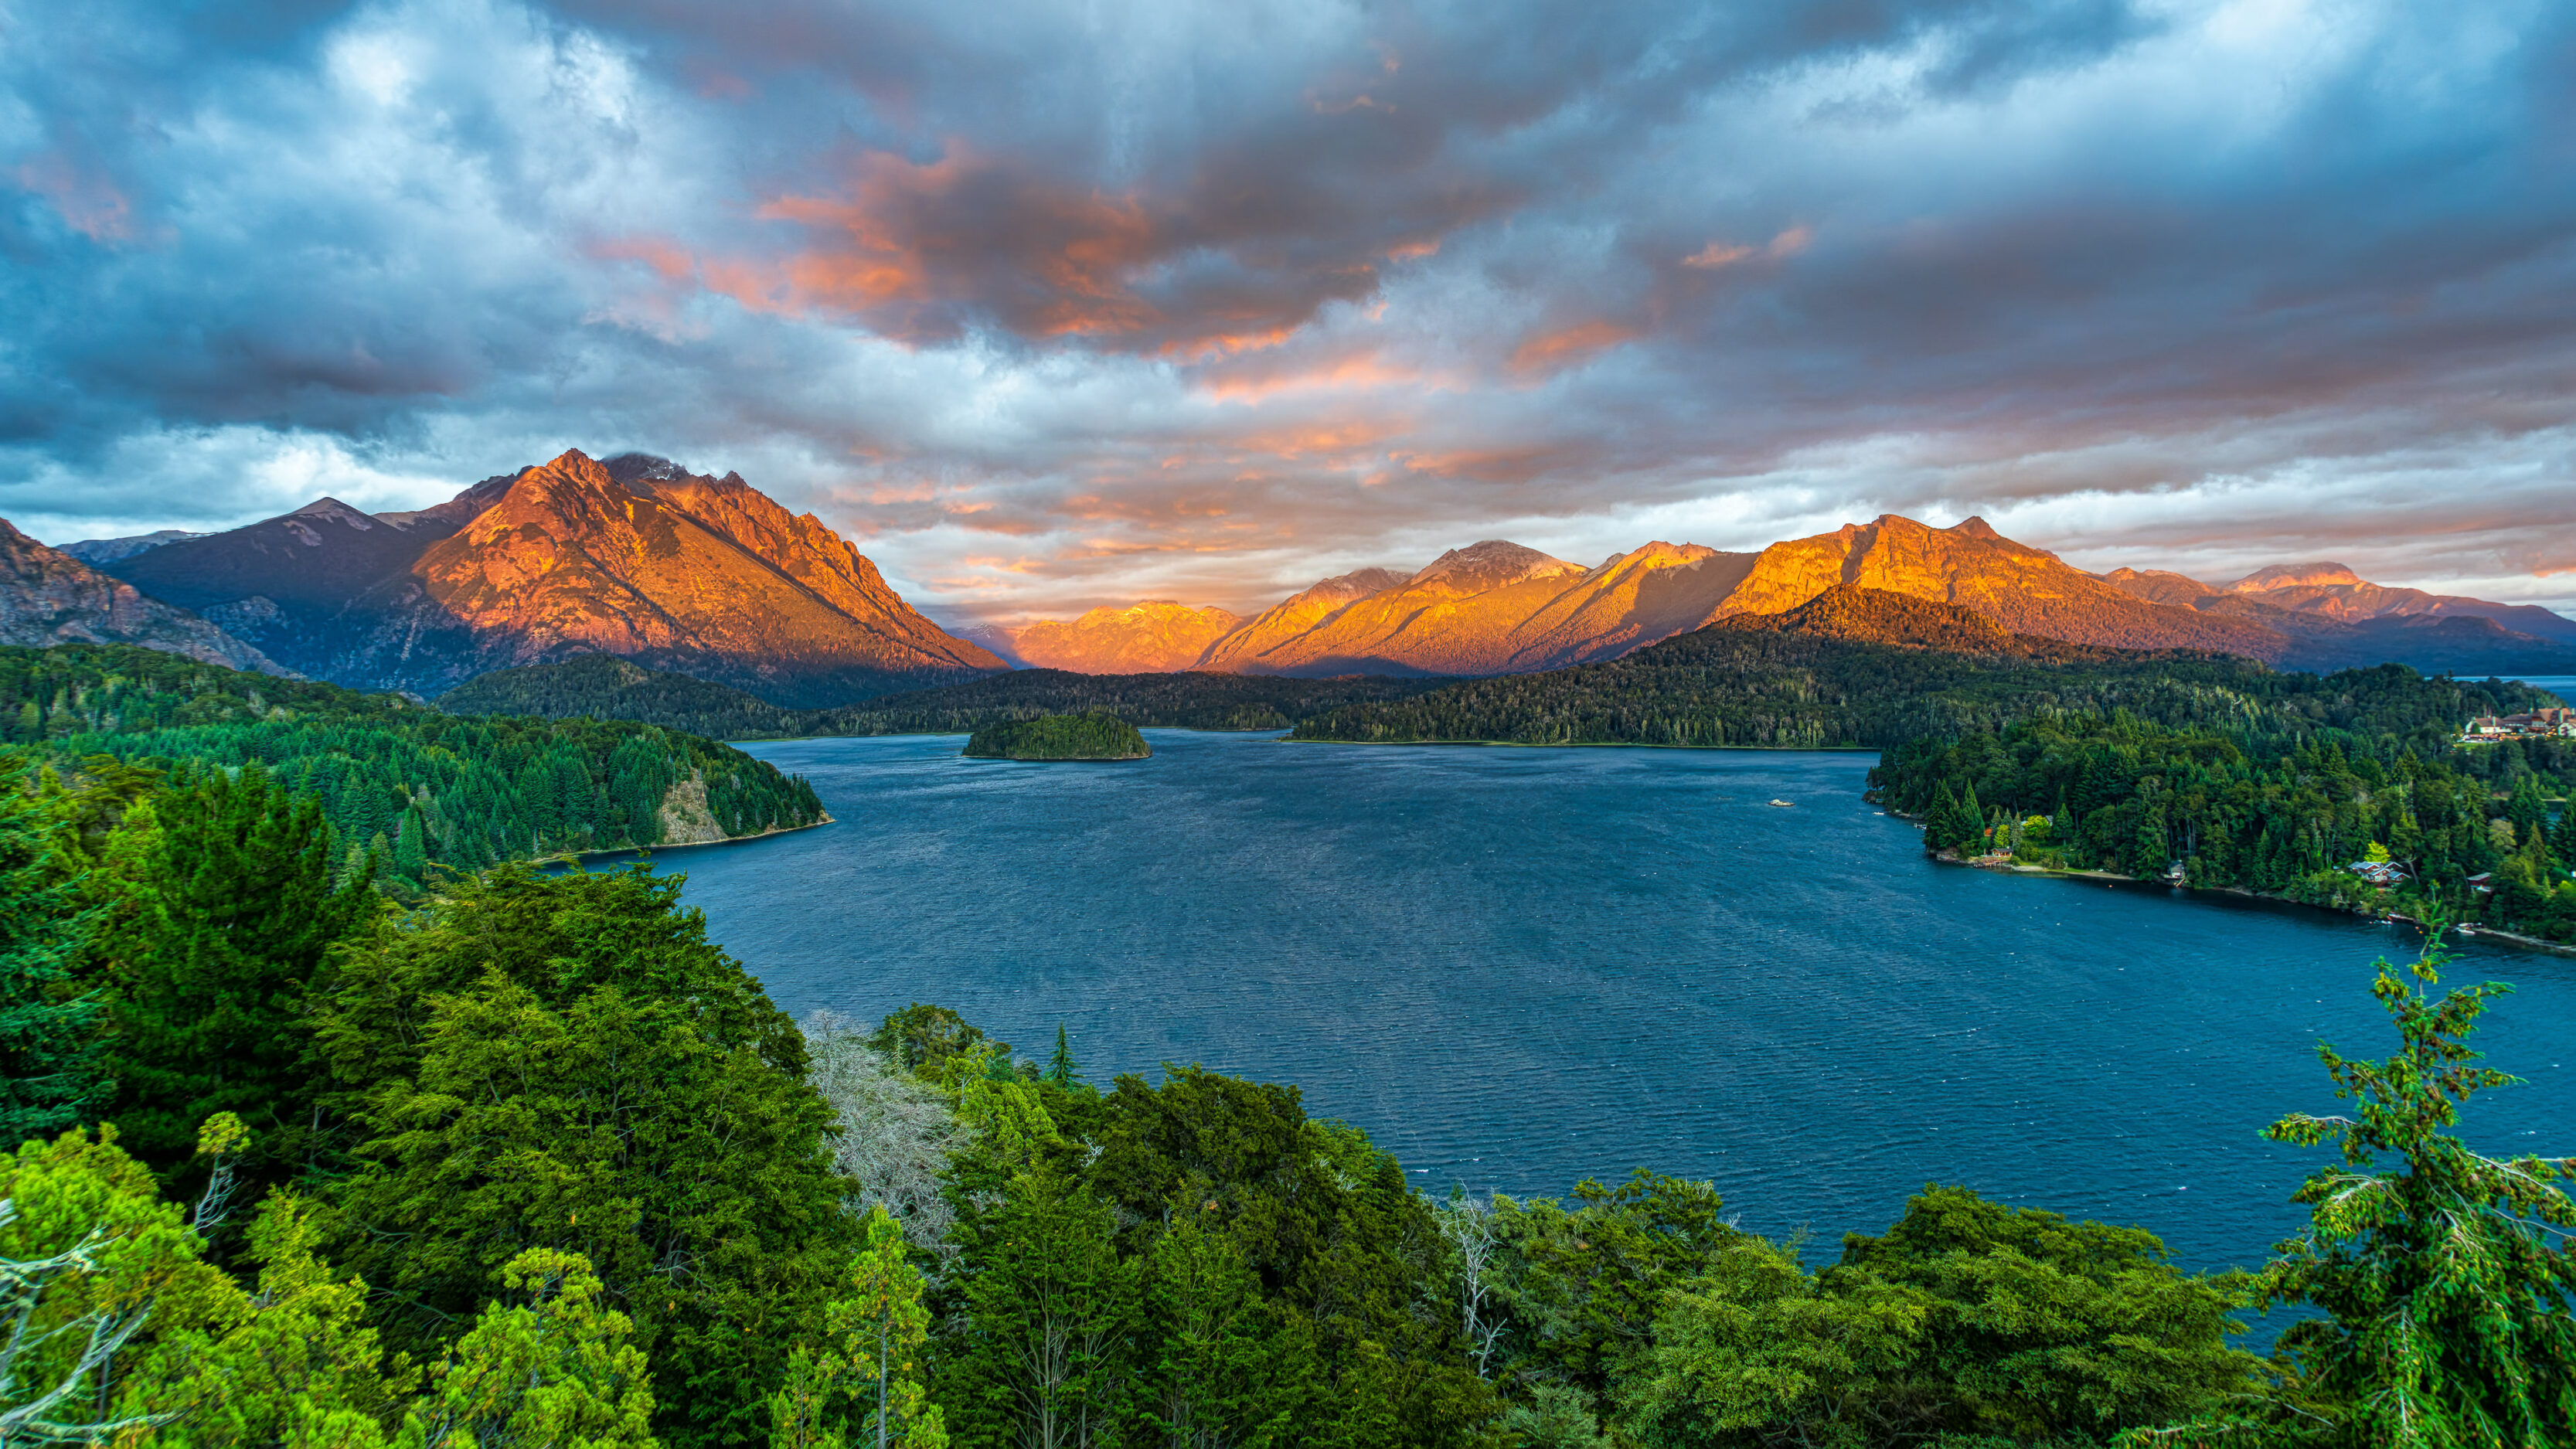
1519	967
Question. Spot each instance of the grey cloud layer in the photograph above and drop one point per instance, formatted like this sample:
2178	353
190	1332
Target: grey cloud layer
1056	304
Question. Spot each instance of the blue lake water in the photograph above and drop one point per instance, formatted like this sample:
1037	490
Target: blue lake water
1517	968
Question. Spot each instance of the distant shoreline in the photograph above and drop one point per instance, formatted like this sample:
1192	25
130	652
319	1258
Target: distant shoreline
1589	745
576	857
2477	932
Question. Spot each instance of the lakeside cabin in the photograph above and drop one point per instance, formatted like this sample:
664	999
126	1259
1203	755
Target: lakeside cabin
2536	724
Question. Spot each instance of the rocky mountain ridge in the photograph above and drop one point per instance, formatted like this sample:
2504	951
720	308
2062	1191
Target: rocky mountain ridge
48	597
1500	608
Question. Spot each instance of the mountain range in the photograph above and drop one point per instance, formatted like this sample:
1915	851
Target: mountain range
638	558
1500	608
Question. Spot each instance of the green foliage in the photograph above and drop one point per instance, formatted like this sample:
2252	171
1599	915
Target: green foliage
919	1038
235	913
49	1055
2035	1328
603	686
1181	701
1727	685
2447	1276
556	1367
2272	806
447	794
117	1328
1058	737
600	687
565	1062
868	1372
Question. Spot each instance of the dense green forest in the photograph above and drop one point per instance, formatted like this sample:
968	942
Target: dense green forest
1058	737
531	1161
2280	810
1738	683
406	787
605	688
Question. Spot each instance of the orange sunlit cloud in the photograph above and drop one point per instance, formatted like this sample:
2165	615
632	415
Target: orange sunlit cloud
1363	371
1554	351
1723	254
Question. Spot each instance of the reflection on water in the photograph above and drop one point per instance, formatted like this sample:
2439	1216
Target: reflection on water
1516	968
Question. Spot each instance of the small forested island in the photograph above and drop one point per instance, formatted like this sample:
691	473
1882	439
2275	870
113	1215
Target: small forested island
1058	737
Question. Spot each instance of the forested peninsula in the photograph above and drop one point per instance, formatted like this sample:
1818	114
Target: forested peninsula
407	790
2360	815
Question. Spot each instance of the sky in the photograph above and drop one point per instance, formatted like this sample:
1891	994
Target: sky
1050	305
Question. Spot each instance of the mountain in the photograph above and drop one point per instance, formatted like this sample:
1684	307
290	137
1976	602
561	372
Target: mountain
48	597
1856	666
1490	608
635	557
100	552
1152	637
1294	615
2471	639
638	558
2026	590
2339	593
283	582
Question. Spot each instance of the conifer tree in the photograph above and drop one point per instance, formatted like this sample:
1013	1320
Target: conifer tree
240	903
2448	1278
1061	1068
49	1068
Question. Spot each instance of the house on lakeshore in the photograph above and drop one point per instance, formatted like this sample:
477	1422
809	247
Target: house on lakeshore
2385	874
2538	723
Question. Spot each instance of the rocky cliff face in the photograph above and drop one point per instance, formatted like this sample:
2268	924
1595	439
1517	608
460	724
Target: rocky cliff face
702	576
2026	590
1154	637
635	557
1490	608
48	597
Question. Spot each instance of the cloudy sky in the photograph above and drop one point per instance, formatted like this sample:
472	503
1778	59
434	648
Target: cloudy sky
1054	304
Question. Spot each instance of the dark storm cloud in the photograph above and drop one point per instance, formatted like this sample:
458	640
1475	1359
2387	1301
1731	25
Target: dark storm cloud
1053	304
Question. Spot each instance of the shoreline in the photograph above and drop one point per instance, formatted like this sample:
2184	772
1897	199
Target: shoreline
1572	745
576	857
2476	931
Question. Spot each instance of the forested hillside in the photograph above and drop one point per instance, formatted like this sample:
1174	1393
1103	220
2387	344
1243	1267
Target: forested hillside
2280	809
411	786
1866	668
604	688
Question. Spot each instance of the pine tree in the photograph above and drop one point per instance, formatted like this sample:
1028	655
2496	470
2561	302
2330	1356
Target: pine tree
49	1068
2447	1277
1061	1068
239	905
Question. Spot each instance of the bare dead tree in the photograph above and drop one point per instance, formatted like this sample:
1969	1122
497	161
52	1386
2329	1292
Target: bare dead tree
1469	1227
897	1131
